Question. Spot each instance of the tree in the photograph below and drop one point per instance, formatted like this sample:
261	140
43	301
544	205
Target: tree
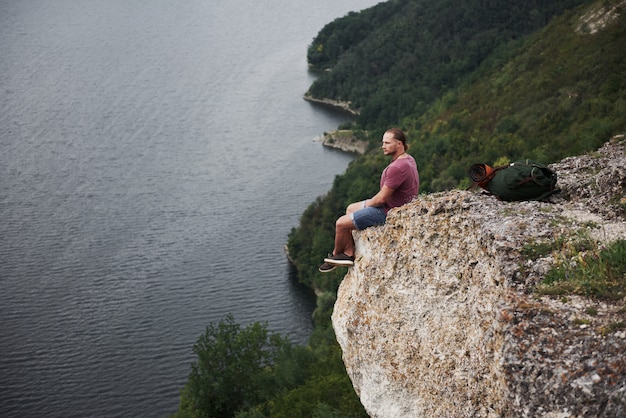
234	370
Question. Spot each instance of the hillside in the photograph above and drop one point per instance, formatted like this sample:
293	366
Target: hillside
396	58
556	92
563	93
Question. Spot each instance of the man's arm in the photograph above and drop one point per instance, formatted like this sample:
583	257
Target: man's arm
381	197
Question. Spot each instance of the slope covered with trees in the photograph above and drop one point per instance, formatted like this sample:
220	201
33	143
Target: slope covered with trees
396	58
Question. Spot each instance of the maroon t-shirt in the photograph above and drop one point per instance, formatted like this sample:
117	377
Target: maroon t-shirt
401	175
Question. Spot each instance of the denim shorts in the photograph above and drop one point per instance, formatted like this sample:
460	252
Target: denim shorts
370	216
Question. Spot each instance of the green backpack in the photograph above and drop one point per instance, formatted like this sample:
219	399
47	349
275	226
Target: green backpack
520	180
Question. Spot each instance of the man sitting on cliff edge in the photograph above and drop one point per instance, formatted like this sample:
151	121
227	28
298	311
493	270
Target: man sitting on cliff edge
399	184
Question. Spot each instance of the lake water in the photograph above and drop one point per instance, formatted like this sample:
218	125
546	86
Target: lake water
154	157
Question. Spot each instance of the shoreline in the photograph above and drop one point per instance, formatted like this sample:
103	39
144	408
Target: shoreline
336	104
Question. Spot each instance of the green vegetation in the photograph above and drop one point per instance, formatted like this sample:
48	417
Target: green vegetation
469	82
234	369
595	271
250	372
557	96
583	266
534	250
612	327
395	59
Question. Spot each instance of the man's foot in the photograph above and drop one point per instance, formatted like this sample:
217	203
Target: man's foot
325	268
340	260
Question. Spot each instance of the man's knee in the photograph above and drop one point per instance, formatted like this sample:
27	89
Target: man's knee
344	222
353	207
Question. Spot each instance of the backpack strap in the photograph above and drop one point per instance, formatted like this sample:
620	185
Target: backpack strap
482	174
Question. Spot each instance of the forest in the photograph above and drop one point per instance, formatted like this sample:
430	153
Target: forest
478	81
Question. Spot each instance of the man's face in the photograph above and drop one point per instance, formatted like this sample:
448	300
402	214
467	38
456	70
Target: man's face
391	145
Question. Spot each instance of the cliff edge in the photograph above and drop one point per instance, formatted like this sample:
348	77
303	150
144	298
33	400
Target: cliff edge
440	316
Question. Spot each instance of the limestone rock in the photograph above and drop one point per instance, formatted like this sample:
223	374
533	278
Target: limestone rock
439	318
345	140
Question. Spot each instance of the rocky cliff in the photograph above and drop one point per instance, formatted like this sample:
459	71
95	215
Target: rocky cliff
345	140
441	317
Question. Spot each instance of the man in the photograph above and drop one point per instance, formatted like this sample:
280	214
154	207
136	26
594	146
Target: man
399	184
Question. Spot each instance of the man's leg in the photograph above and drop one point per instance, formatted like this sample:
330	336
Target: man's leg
343	253
353	207
344	243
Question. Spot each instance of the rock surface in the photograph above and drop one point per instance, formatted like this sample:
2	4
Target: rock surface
345	140
336	104
439	317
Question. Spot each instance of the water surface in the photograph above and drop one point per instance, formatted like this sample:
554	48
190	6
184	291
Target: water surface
154	157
